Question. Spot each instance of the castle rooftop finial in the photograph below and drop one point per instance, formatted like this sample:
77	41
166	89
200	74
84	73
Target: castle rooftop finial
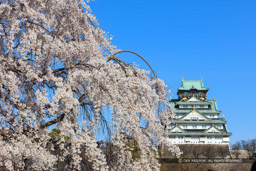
182	79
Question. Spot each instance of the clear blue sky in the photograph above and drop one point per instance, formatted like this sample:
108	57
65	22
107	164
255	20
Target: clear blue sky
215	40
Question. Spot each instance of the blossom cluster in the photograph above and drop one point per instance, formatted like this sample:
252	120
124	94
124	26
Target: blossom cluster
58	69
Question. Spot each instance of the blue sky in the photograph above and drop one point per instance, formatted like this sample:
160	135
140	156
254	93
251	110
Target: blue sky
215	40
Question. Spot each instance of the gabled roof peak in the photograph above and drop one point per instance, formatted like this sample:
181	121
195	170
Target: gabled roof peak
194	113
193	99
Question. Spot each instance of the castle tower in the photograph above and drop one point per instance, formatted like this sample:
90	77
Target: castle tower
197	118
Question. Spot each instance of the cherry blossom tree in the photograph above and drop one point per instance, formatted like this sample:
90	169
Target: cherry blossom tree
59	70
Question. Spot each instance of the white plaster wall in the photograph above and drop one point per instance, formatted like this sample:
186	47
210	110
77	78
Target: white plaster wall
211	115
213	140
191	106
199	126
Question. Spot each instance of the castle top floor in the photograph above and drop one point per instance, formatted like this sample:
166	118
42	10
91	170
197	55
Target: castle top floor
192	88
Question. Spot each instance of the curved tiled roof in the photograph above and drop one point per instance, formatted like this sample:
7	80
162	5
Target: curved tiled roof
192	84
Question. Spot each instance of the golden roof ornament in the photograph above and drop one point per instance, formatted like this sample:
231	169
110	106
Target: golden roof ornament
184	99
201	78
214	98
223	116
182	79
202	99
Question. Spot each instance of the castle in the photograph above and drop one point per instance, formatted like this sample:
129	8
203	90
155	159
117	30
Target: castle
197	118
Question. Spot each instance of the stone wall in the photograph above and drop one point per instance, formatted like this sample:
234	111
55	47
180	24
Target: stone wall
202	151
206	166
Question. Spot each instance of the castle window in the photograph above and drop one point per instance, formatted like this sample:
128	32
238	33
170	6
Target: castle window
194	137
212	116
194	118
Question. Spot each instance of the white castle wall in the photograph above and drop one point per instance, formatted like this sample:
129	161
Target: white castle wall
199	140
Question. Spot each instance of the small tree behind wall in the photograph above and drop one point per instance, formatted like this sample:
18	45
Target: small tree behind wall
249	146
59	69
236	148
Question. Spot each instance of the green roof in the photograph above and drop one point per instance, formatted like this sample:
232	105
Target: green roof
175	127
219	120
220	131
204	131
197	112
199	133
212	102
194	103
192	84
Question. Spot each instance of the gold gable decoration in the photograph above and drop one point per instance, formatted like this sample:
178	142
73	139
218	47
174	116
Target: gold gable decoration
202	99
194	108
184	99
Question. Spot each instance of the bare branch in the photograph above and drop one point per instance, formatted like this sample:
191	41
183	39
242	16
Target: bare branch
128	51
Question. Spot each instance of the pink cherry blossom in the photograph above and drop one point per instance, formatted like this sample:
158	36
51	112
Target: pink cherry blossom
59	69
